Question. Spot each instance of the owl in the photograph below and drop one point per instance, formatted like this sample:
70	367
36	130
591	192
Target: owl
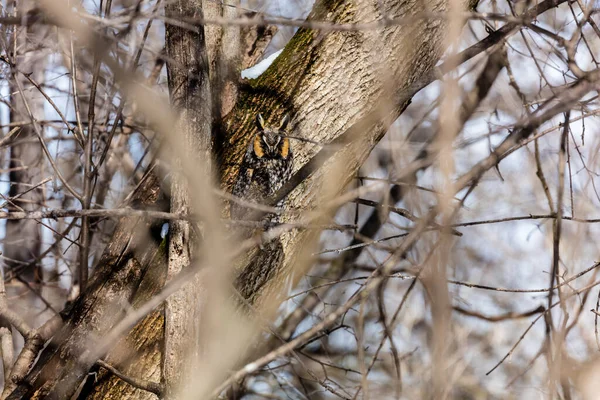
267	165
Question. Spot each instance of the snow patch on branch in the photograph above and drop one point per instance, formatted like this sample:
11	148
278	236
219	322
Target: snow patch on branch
258	69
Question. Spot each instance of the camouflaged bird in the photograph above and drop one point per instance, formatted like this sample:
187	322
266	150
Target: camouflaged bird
267	165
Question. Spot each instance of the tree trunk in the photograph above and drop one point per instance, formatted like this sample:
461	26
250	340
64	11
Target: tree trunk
223	50
343	88
131	270
189	88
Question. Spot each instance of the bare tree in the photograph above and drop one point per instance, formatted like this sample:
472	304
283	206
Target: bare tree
189	88
439	218
28	67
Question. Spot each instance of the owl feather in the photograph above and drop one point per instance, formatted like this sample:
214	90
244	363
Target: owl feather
266	166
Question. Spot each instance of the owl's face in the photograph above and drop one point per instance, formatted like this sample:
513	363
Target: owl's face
270	143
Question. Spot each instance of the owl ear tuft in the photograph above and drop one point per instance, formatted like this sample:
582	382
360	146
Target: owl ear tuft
284	122
260	122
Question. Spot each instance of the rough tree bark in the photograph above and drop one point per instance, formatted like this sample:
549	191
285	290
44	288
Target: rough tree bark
341	87
130	271
223	50
345	262
189	88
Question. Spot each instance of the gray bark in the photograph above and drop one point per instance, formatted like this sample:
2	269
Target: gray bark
189	88
331	82
130	271
340	87
223	50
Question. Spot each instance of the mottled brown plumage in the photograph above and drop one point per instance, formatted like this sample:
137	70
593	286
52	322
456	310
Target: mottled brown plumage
267	165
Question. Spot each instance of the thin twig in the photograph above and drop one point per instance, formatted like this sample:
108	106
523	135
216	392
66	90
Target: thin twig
148	386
